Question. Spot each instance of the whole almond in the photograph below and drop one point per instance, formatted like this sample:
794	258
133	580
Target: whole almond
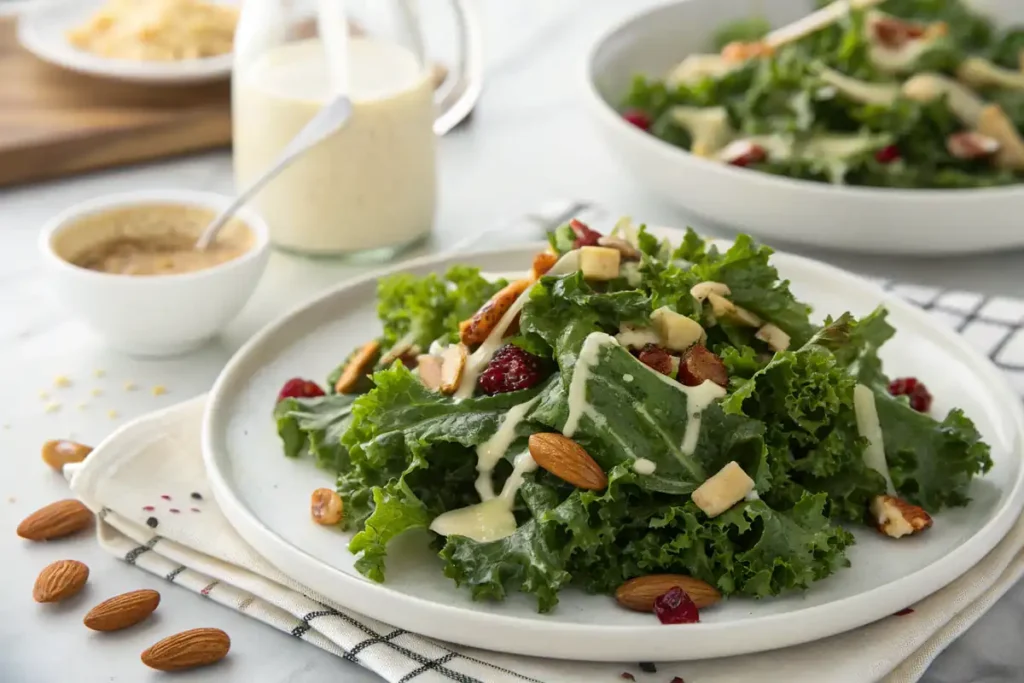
197	647
63	518
638	594
567	460
60	580
122	611
59	452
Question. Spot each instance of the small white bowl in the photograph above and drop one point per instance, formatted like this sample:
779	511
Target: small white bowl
155	315
861	219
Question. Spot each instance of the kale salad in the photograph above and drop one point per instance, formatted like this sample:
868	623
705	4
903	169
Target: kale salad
896	93
662	423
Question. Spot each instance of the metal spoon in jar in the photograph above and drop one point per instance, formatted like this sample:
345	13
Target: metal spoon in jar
327	121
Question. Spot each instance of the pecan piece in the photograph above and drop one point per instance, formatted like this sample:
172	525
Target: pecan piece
656	358
699	365
896	517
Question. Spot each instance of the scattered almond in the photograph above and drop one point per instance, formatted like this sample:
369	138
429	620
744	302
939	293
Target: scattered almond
639	594
475	330
188	649
896	517
59	452
453	361
325	507
60	580
727	310
400	350
430	371
122	611
773	336
701	290
56	520
358	365
626	250
994	123
567	460
542	263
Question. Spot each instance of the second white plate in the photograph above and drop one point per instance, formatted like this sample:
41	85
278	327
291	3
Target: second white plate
42	30
266	496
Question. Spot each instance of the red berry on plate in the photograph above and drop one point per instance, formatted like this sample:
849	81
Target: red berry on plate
920	397
676	607
299	388
887	155
511	369
637	118
585	237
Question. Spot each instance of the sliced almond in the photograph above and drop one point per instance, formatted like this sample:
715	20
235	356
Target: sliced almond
640	593
60	580
701	290
567	460
724	489
897	518
773	336
188	649
122	611
357	367
453	362
727	310
56	520
475	330
994	123
325	507
400	351
60	452
429	368
626	250
542	263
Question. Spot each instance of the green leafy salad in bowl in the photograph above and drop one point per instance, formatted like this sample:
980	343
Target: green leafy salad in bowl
658	422
894	93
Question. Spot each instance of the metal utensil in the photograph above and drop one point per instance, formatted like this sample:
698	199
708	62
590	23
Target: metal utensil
327	121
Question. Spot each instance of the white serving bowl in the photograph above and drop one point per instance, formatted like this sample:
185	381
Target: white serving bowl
873	220
155	315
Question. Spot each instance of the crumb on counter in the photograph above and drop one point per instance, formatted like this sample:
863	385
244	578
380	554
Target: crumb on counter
130	386
99	373
44	394
12	499
96	392
112	414
7	425
52	407
62	381
159	390
82	406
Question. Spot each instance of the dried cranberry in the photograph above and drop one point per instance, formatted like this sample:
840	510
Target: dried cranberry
637	118
904	612
894	33
744	153
676	607
656	358
585	237
887	155
920	397
626	676
699	365
677	679
971	145
511	369
299	388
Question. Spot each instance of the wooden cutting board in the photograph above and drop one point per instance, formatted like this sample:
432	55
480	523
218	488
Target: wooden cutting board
55	122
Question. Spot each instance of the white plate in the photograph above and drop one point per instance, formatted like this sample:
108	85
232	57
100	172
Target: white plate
872	220
43	27
266	496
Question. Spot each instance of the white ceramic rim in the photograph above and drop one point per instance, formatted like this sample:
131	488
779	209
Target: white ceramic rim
69	57
195	198
534	637
668	151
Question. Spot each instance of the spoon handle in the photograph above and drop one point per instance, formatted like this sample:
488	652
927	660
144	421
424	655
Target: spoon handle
327	121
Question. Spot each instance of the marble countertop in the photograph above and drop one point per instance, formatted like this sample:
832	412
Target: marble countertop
527	143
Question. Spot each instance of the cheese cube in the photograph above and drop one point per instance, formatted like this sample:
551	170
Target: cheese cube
599	263
723	490
676	331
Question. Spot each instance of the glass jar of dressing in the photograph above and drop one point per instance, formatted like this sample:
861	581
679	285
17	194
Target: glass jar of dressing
370	189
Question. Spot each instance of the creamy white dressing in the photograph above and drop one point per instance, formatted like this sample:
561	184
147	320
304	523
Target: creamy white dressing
491	451
708	126
586	361
631	271
752	496
524	463
698	398
644	466
627	378
869	427
636	337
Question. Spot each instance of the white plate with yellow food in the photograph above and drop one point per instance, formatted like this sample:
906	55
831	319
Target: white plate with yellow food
412	464
157	42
